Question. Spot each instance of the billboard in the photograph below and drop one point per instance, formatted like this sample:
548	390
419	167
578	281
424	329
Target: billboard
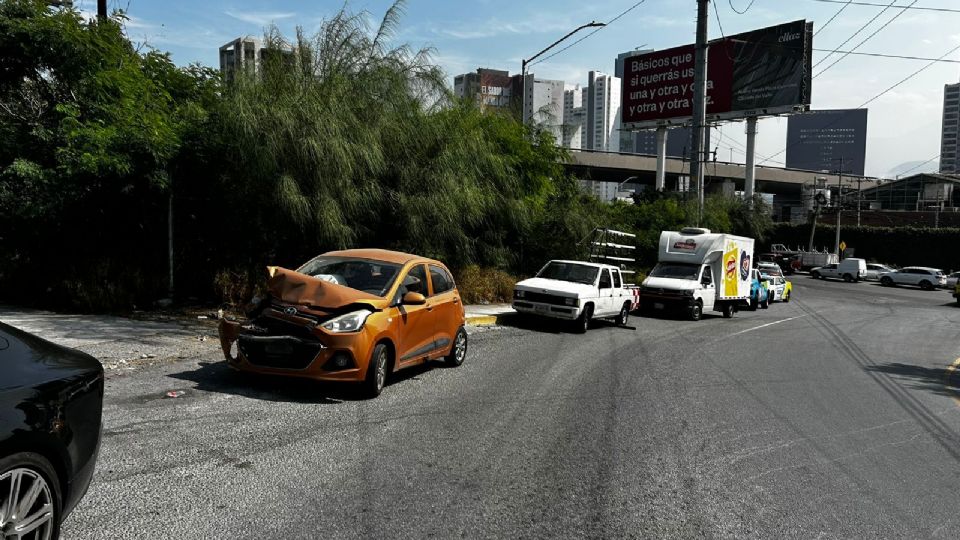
817	140
765	71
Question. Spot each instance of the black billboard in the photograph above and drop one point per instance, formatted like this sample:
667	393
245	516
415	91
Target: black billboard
817	140
771	67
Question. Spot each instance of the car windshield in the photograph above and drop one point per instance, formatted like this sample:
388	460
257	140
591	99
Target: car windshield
567	271
367	275
676	270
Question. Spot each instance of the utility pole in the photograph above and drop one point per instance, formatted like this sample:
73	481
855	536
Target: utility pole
859	178
699	103
836	248
101	9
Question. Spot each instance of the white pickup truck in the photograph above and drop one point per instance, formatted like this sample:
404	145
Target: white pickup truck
576	291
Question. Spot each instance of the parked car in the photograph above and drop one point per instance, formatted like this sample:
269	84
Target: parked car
952	280
849	270
789	264
51	403
771	269
874	270
354	316
576	291
759	297
778	287
921	276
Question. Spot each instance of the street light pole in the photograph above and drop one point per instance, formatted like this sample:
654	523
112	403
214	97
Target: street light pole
526	62
699	103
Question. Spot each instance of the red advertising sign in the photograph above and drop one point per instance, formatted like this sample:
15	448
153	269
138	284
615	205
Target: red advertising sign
766	68
660	84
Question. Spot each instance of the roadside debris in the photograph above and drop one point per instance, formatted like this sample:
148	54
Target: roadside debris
175	393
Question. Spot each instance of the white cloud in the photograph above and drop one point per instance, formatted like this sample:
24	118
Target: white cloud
260	18
496	27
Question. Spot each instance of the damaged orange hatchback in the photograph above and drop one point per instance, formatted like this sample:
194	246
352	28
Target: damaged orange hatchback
354	315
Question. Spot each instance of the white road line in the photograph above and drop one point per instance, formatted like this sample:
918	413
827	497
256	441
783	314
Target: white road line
765	325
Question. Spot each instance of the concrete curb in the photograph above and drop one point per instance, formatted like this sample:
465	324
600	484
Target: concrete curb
487	320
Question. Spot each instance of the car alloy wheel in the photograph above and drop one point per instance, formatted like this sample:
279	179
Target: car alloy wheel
381	368
26	505
886	281
459	351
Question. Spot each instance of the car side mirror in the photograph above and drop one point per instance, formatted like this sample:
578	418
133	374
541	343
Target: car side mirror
414	299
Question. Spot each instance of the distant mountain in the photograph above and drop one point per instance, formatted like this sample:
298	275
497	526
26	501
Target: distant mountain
913	167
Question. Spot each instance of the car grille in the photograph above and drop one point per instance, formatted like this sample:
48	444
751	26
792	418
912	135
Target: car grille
544	298
285	352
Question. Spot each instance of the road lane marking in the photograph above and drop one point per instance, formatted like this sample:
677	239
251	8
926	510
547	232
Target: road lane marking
951	371
765	325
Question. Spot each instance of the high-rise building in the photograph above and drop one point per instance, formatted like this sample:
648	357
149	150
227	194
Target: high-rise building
574	117
543	104
633	141
247	54
491	88
603	113
950	136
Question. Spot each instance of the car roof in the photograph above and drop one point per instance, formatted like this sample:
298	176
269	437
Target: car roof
587	263
922	268
385	255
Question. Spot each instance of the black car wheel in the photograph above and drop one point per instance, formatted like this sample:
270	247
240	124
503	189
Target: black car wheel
766	303
30	499
728	311
815	275
848	278
583	322
886	281
926	285
459	351
377	371
624	317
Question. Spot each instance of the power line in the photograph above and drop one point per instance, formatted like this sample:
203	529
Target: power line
875	32
881	94
861	29
738	12
900	56
911	169
611	21
835	15
873	4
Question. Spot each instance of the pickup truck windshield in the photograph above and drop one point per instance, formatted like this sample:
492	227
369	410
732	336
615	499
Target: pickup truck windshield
676	270
564	271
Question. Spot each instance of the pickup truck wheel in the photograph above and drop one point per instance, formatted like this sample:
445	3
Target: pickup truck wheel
583	323
696	311
886	281
728	311
815	275
624	317
848	278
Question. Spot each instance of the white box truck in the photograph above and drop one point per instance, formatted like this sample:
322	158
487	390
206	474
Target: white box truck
698	271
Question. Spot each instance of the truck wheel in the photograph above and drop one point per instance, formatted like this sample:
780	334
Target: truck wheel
728	311
753	304
886	281
583	323
815	275
848	278
696	311
624	317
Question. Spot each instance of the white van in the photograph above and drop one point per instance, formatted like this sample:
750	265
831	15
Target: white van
849	270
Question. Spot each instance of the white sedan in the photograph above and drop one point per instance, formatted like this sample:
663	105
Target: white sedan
874	271
921	276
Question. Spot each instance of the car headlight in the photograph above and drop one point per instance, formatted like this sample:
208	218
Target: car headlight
351	322
572	301
518	293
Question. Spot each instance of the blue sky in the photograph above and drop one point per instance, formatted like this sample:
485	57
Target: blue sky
903	125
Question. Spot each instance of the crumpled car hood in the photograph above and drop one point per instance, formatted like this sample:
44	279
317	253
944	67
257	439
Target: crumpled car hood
293	287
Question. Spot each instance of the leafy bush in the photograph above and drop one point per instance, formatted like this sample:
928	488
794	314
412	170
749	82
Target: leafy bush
485	285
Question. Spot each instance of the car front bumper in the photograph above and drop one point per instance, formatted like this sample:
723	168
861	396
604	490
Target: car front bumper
291	356
568	313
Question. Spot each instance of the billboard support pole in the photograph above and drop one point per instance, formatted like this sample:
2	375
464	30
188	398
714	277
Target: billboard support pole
839	207
751	165
699	103
661	180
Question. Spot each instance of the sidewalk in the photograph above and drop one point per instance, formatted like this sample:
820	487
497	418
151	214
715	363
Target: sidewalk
487	315
119	342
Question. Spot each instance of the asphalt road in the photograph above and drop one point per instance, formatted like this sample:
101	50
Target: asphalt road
835	415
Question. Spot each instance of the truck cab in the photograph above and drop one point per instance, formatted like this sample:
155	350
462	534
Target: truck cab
576	291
